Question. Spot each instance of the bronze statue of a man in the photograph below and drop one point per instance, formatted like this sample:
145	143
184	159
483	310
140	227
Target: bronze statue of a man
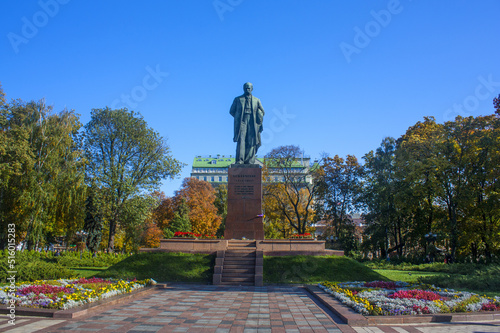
248	116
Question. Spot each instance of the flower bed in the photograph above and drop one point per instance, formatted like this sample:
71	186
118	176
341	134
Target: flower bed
66	294
301	236
182	234
401	298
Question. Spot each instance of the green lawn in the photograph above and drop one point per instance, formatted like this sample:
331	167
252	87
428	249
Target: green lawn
407	276
87	272
314	269
163	267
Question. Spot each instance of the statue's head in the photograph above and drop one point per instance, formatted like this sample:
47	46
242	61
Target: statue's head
248	88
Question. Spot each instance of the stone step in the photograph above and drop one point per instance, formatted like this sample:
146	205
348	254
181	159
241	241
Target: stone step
237	275
240	254
238	271
238	279
239	262
241	249
235	266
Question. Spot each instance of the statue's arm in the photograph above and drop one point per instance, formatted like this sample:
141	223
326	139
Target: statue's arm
259	107
232	111
260	113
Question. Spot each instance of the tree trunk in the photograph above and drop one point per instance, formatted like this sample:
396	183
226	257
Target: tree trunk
112	232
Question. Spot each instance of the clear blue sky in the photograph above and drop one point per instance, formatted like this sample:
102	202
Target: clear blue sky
334	77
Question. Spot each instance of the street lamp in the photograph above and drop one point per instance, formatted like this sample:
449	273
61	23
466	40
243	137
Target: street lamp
430	237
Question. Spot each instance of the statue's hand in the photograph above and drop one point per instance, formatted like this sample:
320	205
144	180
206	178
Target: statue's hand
260	117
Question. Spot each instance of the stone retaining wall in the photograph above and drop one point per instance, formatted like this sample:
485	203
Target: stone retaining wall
270	247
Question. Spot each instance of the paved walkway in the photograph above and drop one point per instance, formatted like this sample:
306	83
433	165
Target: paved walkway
197	308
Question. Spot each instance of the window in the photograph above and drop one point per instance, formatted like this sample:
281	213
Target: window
212	178
220	179
205	178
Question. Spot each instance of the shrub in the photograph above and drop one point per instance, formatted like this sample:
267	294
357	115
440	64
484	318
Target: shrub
72	259
36	270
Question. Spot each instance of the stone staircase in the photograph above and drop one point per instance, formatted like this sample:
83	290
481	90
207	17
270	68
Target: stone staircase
240	264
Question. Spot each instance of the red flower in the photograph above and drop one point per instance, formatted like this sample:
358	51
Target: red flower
92	280
416	294
43	289
305	235
491	306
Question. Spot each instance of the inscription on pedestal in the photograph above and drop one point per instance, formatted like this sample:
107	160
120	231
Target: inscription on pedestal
245	190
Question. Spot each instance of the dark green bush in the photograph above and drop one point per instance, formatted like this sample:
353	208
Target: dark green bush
36	270
34	265
86	259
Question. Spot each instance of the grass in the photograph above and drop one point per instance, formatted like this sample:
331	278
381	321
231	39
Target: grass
477	278
163	267
315	269
407	276
88	272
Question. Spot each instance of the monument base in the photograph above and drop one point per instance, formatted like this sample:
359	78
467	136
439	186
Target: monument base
244	203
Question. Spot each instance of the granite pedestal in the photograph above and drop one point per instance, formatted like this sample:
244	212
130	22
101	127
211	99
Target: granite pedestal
244	204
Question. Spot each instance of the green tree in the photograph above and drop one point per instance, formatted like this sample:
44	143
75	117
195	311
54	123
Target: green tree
496	104
417	158
133	216
93	223
453	173
339	186
385	229
221	205
180	222
480	205
41	189
126	157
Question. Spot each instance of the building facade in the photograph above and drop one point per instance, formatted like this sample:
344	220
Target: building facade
214	169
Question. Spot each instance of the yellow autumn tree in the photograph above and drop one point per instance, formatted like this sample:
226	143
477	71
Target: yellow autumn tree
152	235
200	198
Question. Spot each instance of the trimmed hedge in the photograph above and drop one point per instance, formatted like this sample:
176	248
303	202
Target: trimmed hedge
34	265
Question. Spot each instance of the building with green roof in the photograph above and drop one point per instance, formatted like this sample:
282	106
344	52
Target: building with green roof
214	168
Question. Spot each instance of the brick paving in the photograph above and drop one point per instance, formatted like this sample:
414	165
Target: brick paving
220	309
